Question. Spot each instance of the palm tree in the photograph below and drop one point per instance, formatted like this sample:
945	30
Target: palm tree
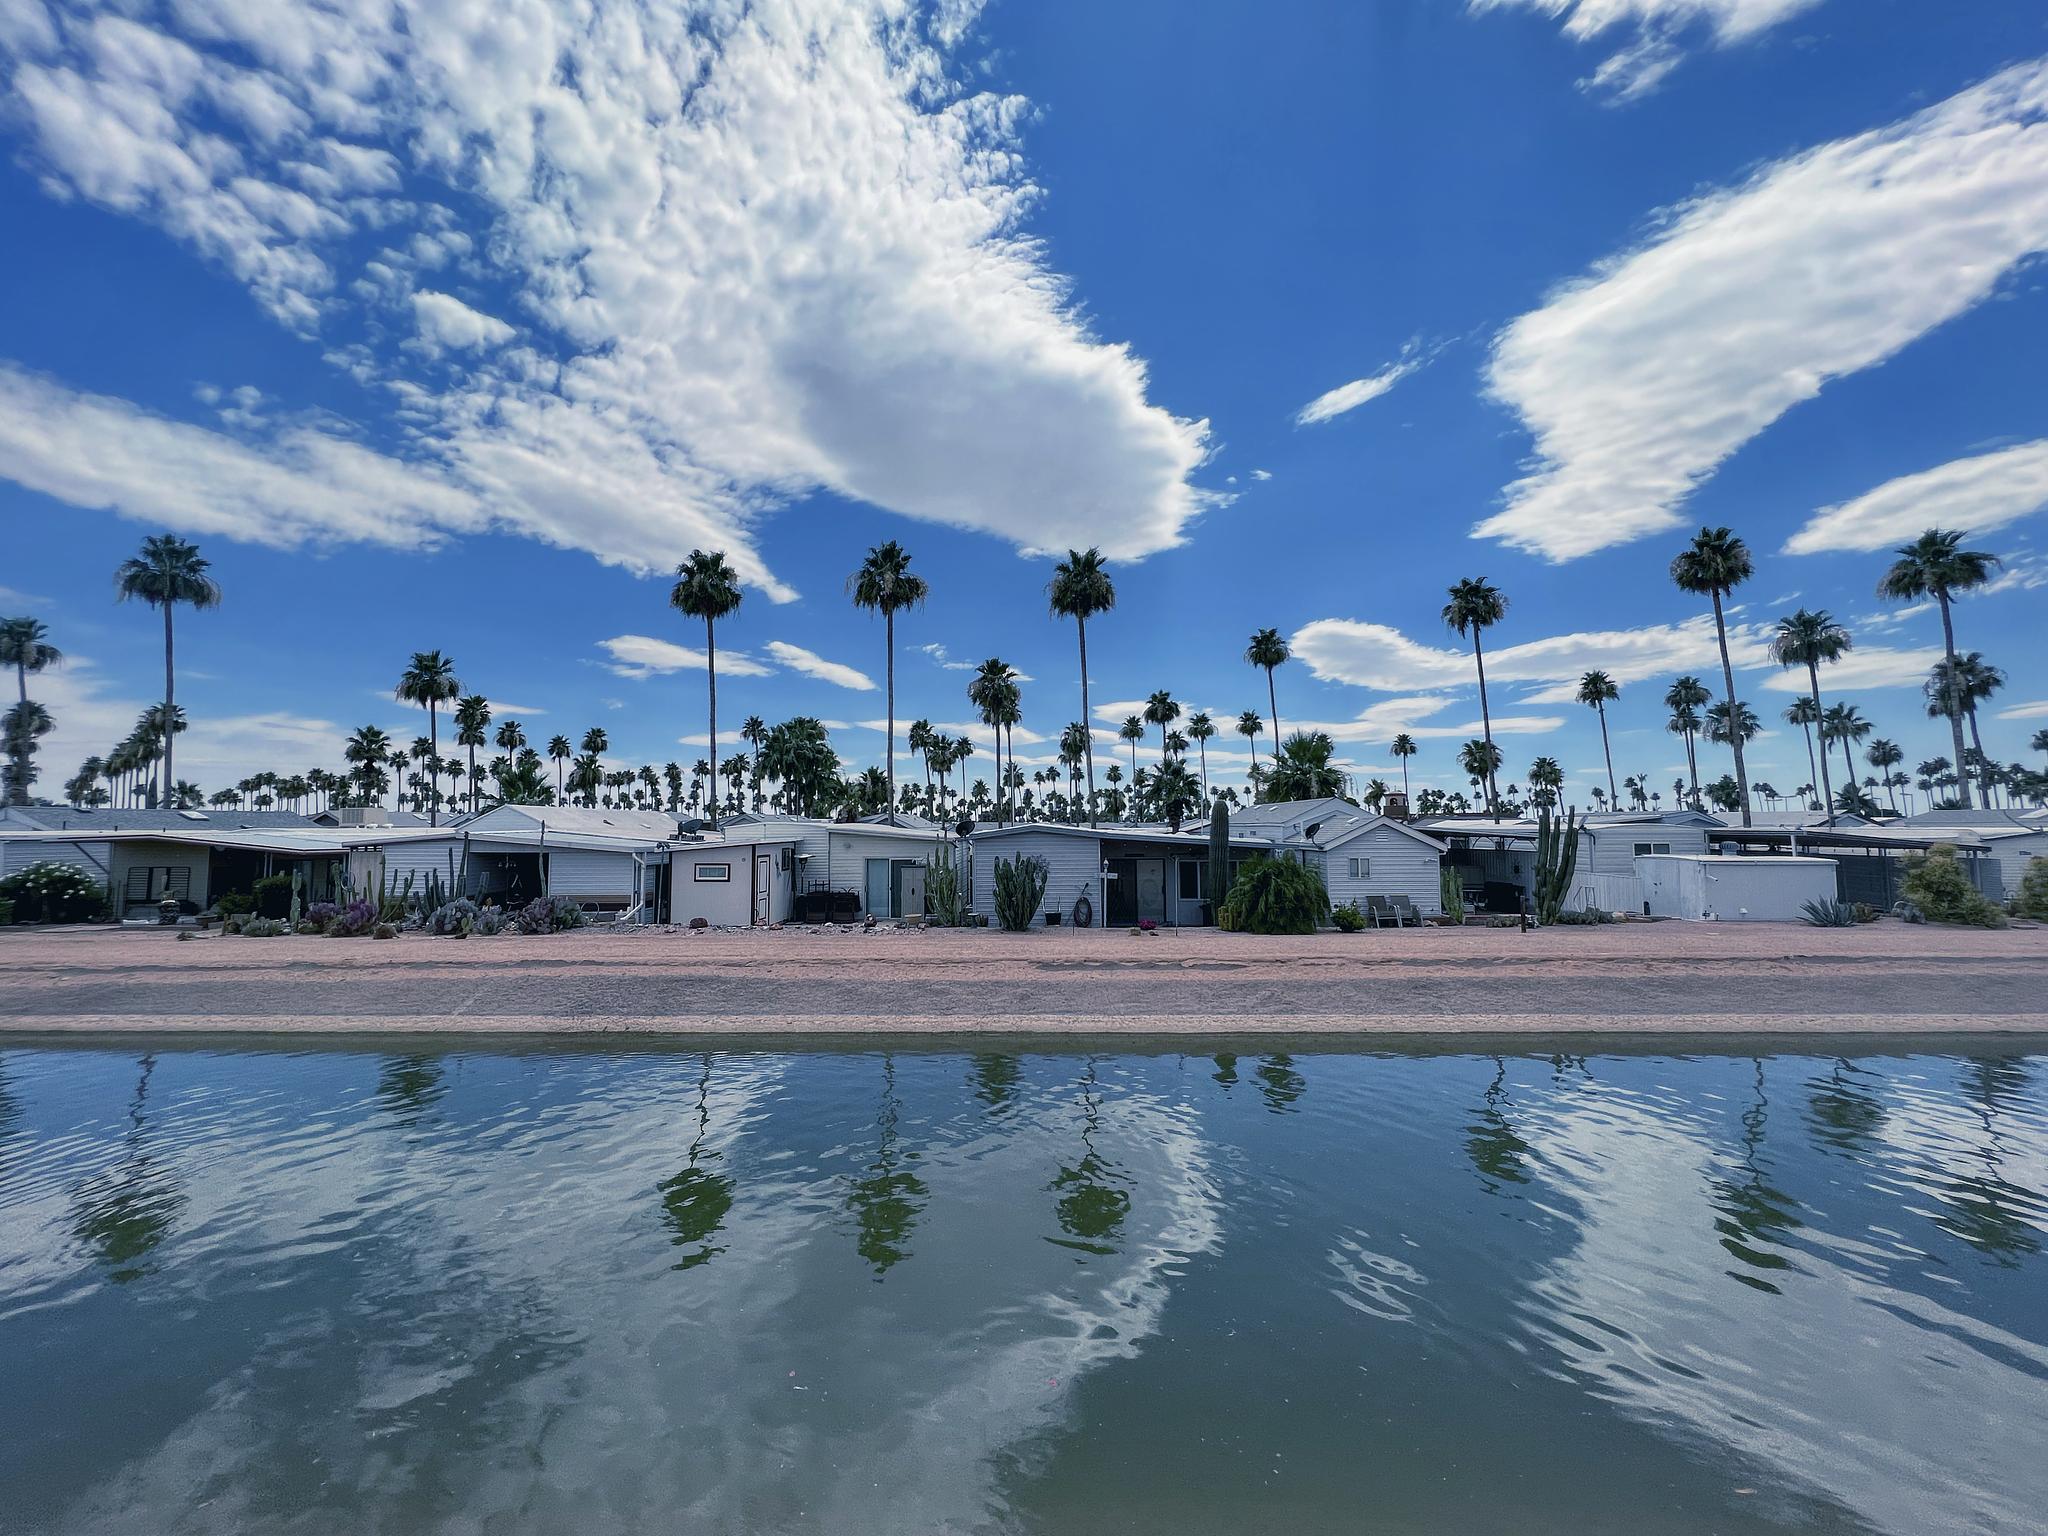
1133	731
883	584
1403	748
1598	690
1301	769
1481	762
1884	756
1714	565
367	749
1936	565
1546	777
1475	606
560	751
1732	727
1249	725
428	682
1161	710
754	732
166	572
1201	731
994	692
1844	723
1268	650
25	647
1685	698
1807	639
1955	689
1805	714
472	718
1079	590
708	588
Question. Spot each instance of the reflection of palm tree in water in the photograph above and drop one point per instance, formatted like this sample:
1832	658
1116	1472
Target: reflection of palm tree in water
1980	1206
1091	1205
695	1202
1844	1116
1491	1141
1754	1214
125	1212
407	1086
1280	1083
995	1081
886	1203
1226	1071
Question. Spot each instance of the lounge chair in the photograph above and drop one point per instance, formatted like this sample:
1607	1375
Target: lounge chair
1381	911
1404	912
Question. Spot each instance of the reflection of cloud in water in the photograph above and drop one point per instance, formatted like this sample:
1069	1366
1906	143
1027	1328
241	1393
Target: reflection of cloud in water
1374	1283
1914	1416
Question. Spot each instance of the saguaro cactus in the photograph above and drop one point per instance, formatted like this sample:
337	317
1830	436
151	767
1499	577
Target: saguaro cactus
1219	855
1557	857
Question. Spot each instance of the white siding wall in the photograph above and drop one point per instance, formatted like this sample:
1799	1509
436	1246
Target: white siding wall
2014	854
1613	850
422	859
1398	866
194	861
94	858
1074	865
593	874
721	903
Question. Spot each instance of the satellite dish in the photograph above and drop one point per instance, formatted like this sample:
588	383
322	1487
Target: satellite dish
1309	832
966	826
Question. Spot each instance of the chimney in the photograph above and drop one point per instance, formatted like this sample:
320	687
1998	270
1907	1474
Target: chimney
1395	805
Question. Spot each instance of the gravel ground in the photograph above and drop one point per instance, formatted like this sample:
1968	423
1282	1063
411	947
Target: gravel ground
1661	978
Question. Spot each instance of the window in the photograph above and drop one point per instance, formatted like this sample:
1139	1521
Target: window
1643	848
155	882
703	872
1360	869
1194	880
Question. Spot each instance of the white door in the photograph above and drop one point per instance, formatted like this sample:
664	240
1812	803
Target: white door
1152	889
764	888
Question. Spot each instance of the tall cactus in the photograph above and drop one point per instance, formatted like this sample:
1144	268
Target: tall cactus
1219	855
1557	857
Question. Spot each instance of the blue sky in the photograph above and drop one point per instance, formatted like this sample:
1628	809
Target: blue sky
439	332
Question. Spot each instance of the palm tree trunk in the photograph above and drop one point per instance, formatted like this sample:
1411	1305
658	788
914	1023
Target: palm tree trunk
1849	758
1087	724
1485	723
1606	751
1827	790
889	674
1955	719
170	705
1812	772
711	688
434	768
1692	769
1273	704
1205	774
1734	735
1984	769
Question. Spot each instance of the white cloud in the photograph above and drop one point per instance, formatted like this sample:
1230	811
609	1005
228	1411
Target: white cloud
757	251
500	711
1262	474
640	656
1870	666
1654	48
1380	657
2038	710
2022	573
1639	380
811	664
942	657
445	321
1348	397
1975	494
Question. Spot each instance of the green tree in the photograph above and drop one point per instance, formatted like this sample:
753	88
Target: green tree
168	571
1546	777
1301	769
1685	698
1202	731
1844	725
559	753
995	691
1936	565
1403	748
708	588
1162	710
1955	689
1714	565
472	719
1477	605
885	584
1268	650
798	755
1597	690
1080	590
429	682
1249	725
1805	714
1806	639
1133	731
366	751
24	646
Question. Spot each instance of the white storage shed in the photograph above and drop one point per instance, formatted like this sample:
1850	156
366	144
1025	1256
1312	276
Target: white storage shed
1732	889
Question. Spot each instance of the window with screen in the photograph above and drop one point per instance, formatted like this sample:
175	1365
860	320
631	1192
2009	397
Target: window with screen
703	872
1360	869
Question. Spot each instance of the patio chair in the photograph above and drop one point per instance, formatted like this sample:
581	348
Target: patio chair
1404	912
1381	911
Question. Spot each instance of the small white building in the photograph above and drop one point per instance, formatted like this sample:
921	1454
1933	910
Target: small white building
853	869
1496	862
2013	840
1732	889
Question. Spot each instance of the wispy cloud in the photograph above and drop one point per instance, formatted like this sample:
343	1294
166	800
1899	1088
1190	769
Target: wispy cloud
1638	381
1977	494
811	664
1349	397
2038	710
1656	32
641	656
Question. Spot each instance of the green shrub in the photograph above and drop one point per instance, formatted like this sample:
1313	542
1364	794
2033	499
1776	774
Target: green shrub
1451	889
50	892
1349	918
1020	886
1274	896
273	896
1940	887
943	902
264	927
2033	898
6	910
234	904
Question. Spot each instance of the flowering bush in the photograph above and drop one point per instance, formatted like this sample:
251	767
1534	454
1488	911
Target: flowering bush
353	920
321	913
49	892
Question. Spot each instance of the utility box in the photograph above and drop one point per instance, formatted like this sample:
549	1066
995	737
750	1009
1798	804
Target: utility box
1719	888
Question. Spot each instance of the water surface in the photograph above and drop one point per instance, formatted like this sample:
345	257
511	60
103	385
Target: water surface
1027	1289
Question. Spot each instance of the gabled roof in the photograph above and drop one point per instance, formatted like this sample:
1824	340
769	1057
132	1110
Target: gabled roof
1979	820
1348	834
65	818
593	820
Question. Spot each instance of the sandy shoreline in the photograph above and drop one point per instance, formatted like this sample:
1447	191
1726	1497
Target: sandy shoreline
1661	979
